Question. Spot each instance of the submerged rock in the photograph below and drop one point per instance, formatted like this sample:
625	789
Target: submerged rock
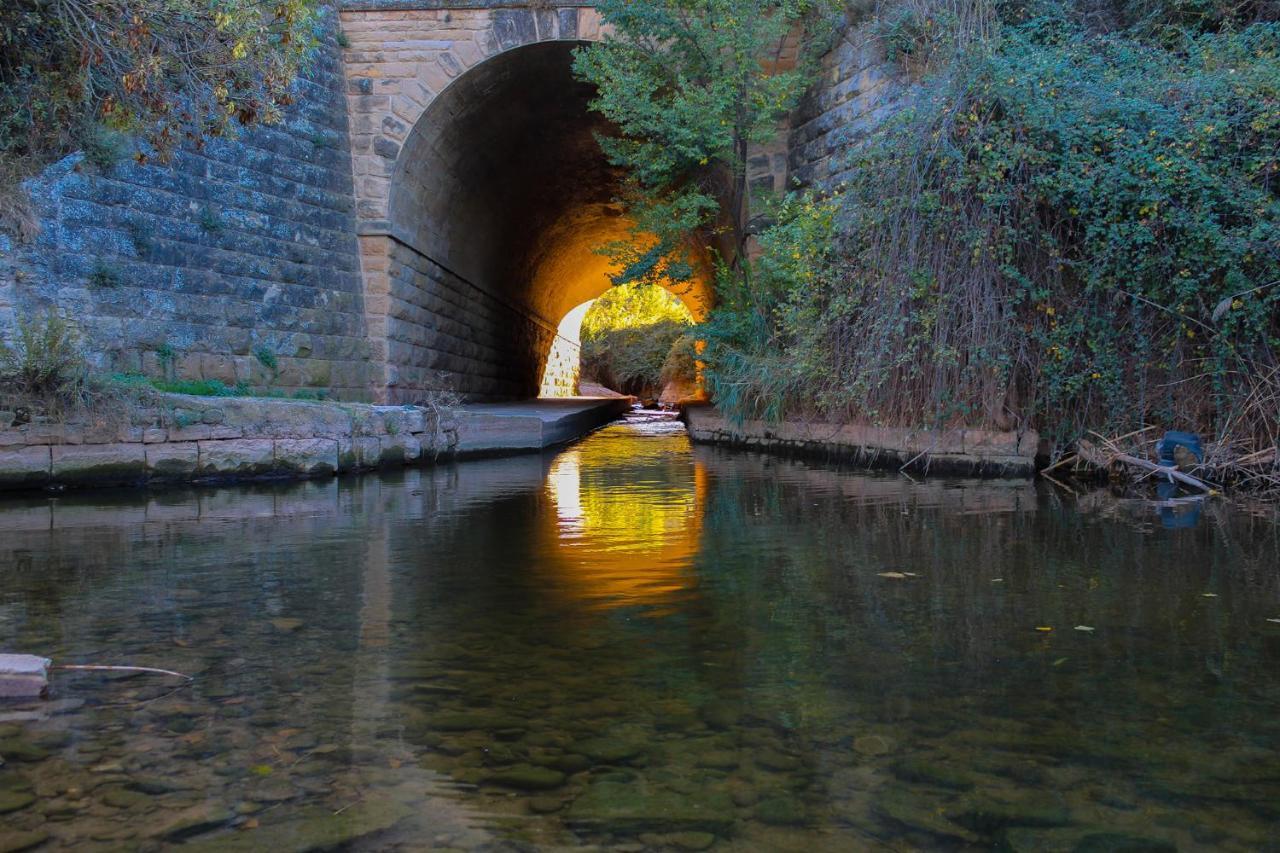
986	813
310	828
611	749
526	777
873	745
1081	840
16	749
640	806
464	721
931	772
123	798
12	801
905	808
781	811
692	841
720	715
14	842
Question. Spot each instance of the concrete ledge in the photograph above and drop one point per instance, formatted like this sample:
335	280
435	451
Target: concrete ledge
500	427
968	452
198	439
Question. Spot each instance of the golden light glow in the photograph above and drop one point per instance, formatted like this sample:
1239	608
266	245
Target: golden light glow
624	533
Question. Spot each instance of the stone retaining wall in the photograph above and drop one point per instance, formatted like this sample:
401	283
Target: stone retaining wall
857	90
185	439
237	262
970	452
192	439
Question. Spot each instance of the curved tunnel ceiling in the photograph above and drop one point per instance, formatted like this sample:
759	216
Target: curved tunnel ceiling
502	182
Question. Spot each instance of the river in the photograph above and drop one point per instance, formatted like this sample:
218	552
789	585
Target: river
635	644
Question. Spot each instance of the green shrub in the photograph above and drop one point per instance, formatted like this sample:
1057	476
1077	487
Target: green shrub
631	360
628	335
45	361
104	275
266	356
200	387
1067	230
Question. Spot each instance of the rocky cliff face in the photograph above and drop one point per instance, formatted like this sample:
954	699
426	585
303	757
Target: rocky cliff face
237	262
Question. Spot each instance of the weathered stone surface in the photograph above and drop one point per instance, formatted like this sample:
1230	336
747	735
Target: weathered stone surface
185	268
99	463
367	451
312	457
946	451
25	467
525	777
250	457
173	461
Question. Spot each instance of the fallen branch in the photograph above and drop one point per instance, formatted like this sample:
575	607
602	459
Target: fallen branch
86	667
1170	472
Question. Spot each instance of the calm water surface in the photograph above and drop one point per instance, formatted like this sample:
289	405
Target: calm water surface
637	645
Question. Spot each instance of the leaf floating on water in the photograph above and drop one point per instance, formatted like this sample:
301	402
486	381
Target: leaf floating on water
1060	661
1044	628
911	574
997	580
1086	628
1277	621
894	575
1208	595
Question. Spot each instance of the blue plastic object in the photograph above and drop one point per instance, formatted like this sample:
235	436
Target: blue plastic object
1173	440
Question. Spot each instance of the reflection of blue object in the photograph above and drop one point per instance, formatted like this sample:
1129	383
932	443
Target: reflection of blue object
1179	517
1173	440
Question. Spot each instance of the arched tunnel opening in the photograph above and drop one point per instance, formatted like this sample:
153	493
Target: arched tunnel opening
499	200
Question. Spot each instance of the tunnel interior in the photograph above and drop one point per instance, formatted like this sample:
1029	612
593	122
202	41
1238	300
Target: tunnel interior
503	196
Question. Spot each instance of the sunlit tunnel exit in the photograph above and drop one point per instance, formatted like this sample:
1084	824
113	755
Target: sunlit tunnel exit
499	202
635	339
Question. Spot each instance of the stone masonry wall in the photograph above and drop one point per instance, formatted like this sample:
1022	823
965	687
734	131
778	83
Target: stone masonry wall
442	331
182	439
857	90
189	269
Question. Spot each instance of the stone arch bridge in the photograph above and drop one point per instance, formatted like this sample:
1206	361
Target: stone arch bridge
426	216
481	194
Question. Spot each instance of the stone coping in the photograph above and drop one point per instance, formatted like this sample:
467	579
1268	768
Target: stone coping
209	439
414	5
963	451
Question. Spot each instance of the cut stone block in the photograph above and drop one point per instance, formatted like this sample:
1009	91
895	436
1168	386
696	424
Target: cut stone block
313	457
237	458
100	463
23	676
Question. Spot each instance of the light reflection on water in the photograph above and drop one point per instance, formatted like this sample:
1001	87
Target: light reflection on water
631	643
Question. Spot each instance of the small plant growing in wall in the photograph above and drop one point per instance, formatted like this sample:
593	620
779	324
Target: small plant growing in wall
104	148
343	40
104	275
266	356
167	356
140	239
210	220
